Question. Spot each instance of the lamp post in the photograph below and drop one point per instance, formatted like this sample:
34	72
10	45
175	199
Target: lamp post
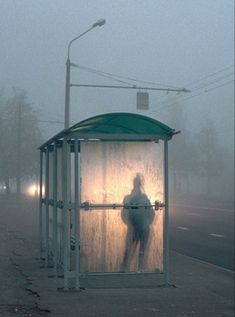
68	65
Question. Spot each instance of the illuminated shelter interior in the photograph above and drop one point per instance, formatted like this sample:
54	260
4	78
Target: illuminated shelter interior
104	198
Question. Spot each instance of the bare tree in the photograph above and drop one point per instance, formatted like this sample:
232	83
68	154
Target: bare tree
210	154
182	158
20	137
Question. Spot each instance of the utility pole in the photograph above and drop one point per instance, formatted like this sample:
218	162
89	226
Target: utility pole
18	151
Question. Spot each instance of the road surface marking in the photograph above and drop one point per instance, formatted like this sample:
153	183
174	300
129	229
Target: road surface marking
193	214
203	207
183	228
216	235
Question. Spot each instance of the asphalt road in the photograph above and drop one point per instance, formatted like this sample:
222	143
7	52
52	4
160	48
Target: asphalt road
203	232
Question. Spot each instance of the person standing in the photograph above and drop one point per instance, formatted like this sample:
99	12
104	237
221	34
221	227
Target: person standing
138	215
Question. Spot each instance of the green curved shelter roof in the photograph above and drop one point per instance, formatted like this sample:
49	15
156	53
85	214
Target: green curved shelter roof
122	123
117	126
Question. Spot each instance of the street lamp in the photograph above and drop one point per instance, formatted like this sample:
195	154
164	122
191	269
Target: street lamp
68	65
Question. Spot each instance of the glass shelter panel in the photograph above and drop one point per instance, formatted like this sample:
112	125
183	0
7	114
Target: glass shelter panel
43	206
59	209
50	206
125	234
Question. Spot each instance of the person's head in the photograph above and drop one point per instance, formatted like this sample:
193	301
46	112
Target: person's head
138	181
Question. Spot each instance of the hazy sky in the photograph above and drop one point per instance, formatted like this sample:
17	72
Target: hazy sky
169	42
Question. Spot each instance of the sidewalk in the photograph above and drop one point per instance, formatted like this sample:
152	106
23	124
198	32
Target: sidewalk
198	288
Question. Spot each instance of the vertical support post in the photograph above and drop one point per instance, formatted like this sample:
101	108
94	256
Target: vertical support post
55	220
166	217
67	94
77	212
65	211
47	206
69	196
40	205
19	154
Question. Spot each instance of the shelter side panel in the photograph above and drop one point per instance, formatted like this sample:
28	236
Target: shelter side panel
127	236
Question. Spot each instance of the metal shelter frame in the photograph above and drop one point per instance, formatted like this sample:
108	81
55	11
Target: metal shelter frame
56	151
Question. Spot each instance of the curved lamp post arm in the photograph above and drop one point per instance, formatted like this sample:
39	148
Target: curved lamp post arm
76	38
97	23
68	65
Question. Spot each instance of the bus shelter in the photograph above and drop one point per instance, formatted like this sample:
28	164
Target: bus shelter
104	198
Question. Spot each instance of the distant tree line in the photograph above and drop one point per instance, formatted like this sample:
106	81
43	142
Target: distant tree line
19	138
195	157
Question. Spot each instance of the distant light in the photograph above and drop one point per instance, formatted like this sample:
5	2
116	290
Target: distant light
33	190
3	187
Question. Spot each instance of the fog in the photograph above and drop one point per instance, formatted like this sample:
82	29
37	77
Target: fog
170	43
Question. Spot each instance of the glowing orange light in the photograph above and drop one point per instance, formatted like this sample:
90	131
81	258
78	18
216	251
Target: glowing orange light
33	190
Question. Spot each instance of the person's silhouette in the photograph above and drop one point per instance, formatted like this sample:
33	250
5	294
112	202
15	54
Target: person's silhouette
138	215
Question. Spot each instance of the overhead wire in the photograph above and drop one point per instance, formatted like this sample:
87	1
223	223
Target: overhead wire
112	76
224	84
189	85
214	81
193	96
206	84
104	75
50	121
210	75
